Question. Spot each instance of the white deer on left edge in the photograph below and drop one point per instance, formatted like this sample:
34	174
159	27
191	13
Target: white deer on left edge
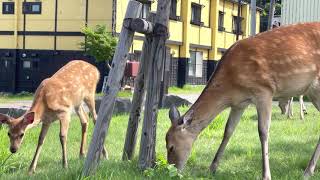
54	99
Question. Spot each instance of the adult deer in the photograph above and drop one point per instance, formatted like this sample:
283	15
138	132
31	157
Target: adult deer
281	63
286	107
54	99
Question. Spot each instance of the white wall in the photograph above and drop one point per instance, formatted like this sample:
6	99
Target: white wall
295	11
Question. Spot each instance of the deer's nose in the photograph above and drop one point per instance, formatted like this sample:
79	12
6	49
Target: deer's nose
13	150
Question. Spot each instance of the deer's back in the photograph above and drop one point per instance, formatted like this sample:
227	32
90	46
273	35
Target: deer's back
69	86
285	60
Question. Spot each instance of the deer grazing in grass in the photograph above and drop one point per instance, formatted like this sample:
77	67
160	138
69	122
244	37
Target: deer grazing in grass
286	107
281	63
54	99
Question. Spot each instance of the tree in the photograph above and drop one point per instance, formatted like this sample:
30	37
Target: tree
99	43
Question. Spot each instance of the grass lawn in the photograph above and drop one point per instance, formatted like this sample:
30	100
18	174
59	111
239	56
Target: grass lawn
5	98
187	89
292	143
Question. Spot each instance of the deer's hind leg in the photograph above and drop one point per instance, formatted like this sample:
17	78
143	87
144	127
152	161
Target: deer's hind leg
84	127
314	96
90	102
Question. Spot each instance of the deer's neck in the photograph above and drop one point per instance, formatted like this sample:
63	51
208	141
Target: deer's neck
210	103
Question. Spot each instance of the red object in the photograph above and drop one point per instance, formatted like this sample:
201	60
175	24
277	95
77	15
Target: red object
132	68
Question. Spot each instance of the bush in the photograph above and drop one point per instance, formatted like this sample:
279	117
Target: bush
162	167
99	43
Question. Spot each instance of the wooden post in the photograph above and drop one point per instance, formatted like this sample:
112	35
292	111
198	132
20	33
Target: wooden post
113	86
138	95
165	77
271	13
158	50
253	17
238	20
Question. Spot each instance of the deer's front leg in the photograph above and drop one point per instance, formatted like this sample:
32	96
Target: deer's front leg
64	126
42	136
84	126
264	107
233	120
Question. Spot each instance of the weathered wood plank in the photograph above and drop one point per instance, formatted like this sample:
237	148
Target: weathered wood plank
158	49
138	95
113	86
142	26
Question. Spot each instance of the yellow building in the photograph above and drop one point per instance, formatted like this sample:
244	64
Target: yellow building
39	36
200	32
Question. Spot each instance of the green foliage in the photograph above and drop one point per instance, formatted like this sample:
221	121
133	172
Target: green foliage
266	8
162	167
218	123
100	44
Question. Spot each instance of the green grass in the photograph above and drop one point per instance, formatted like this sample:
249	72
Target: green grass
23	96
291	142
187	89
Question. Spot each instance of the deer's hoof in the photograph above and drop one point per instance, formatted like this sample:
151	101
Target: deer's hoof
307	174
31	172
82	156
65	166
213	168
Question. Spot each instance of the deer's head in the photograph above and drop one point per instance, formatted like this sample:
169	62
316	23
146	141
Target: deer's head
17	128
179	140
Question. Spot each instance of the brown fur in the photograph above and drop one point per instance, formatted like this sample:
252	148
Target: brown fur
54	99
281	63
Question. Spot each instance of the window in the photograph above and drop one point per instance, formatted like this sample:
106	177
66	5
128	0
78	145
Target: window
221	21
137	55
196	14
235	24
173	10
145	11
31	8
8	8
6	63
195	64
26	64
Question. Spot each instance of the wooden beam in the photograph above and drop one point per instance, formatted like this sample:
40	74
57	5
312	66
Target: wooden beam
138	95
113	86
141	25
158	55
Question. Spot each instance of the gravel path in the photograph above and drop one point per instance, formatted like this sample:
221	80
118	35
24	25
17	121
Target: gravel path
190	97
16	104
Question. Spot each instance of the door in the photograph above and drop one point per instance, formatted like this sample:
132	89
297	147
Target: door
28	74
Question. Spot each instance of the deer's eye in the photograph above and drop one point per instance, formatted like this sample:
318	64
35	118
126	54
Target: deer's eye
21	135
9	134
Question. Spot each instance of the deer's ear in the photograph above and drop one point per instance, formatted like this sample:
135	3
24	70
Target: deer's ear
4	119
28	118
187	119
174	115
